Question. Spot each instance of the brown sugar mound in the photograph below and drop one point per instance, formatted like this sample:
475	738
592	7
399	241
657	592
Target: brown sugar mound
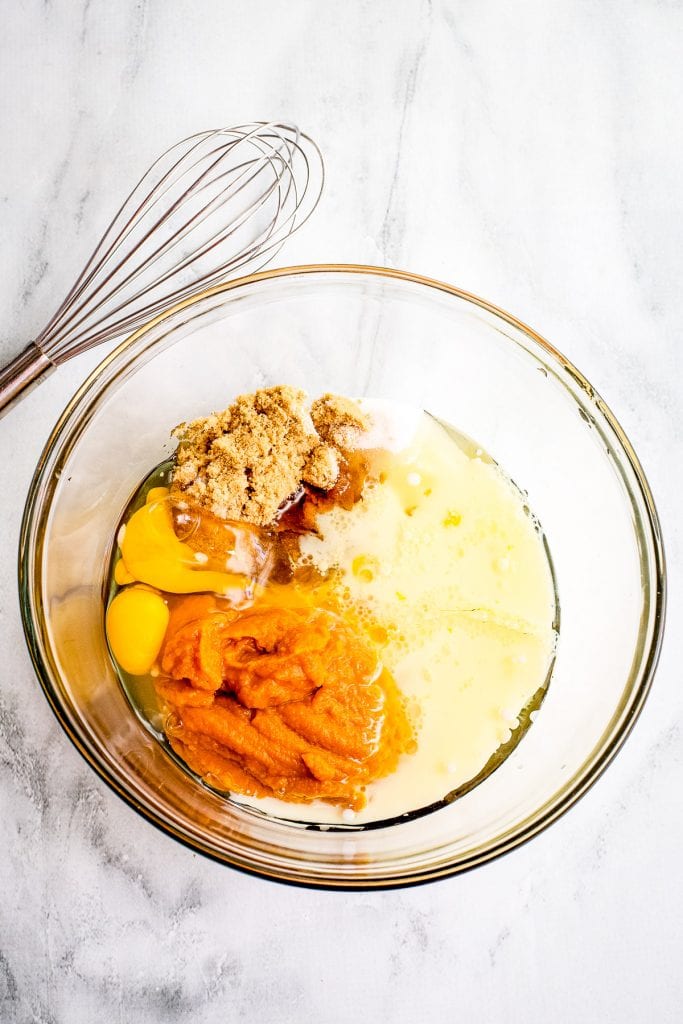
338	420
246	462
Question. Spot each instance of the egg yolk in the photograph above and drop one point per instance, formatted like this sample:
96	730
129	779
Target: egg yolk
152	554
136	623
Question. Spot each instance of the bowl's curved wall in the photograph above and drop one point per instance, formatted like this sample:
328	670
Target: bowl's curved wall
357	331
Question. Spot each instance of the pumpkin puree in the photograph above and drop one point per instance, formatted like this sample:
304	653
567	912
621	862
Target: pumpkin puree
289	702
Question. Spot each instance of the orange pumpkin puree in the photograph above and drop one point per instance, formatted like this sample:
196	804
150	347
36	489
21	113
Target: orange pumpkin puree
281	701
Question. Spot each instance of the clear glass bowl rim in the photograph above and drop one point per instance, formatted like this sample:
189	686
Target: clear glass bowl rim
643	670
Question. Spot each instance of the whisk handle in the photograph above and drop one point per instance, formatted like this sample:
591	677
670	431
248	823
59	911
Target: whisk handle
23	373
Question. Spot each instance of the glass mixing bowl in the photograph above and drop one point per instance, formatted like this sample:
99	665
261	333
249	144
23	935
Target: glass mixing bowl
356	331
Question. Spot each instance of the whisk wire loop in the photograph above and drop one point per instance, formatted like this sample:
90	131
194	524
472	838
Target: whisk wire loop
217	202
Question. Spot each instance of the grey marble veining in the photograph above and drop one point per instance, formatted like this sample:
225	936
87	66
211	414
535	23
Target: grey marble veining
531	153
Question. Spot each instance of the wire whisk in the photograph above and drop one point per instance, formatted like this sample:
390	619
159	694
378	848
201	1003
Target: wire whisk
215	203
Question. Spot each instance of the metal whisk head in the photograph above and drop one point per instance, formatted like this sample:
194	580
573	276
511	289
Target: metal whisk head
213	204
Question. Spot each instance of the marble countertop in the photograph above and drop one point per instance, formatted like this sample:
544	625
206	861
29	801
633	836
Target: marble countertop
531	153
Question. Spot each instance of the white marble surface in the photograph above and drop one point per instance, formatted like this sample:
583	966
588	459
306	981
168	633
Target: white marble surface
529	152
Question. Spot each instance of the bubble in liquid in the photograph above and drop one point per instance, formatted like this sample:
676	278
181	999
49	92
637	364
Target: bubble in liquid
185	522
173	724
